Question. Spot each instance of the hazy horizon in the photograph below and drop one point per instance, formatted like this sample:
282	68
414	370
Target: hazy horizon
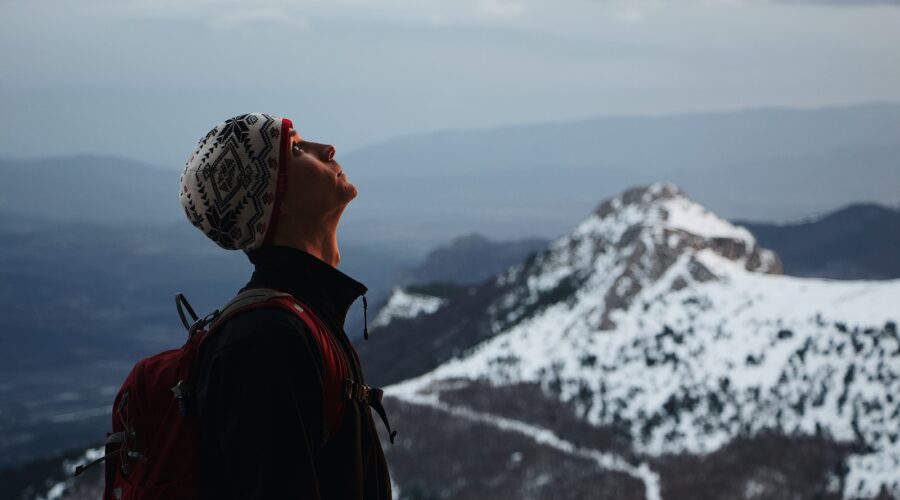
145	79
37	156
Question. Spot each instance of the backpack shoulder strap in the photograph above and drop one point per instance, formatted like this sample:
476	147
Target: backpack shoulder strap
245	300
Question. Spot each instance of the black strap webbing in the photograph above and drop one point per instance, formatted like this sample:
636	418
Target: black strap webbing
371	396
375	403
179	300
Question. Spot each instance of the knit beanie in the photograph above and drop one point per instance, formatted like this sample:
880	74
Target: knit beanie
233	182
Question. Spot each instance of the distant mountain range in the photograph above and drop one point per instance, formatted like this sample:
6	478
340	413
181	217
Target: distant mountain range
510	183
655	351
530	180
90	189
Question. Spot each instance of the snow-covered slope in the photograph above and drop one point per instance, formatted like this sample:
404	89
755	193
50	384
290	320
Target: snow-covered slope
655	312
405	304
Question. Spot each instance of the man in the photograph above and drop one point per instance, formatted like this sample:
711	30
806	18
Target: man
254	184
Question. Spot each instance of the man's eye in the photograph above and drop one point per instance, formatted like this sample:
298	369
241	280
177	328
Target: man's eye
296	149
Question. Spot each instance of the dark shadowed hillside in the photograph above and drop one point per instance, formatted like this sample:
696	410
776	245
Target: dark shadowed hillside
860	241
470	259
90	189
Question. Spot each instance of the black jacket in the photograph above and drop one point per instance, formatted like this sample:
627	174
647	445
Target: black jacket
259	396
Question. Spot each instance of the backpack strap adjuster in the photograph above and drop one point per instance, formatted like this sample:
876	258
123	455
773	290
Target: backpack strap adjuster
371	396
354	391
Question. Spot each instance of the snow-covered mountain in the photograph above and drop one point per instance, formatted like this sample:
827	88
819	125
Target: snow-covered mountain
670	326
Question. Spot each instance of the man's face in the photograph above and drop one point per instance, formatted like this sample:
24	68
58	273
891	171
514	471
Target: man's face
316	184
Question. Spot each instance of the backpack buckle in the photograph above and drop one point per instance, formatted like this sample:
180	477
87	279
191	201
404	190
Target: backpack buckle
201	323
355	391
183	392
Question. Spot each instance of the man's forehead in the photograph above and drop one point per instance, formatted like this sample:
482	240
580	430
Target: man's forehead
295	135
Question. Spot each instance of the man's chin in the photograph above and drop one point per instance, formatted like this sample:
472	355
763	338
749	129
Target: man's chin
352	192
346	196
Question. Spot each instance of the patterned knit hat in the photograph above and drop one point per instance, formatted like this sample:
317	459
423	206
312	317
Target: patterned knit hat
232	183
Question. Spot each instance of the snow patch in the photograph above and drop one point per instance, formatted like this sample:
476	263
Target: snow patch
686	215
405	305
58	490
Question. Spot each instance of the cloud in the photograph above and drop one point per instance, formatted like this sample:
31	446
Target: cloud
640	11
246	20
629	14
499	8
635	8
632	11
218	15
841	3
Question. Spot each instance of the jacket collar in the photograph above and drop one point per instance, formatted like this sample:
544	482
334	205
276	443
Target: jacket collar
327	290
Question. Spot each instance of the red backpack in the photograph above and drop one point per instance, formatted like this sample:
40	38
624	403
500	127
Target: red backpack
150	453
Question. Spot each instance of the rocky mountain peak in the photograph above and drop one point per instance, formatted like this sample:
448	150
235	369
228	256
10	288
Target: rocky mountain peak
662	209
629	242
641	196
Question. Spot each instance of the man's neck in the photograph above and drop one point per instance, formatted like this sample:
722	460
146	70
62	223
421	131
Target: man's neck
317	239
326	249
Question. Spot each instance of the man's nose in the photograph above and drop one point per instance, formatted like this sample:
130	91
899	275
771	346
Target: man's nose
325	152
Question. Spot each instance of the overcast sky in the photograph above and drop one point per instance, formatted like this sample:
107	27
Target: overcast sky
144	79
